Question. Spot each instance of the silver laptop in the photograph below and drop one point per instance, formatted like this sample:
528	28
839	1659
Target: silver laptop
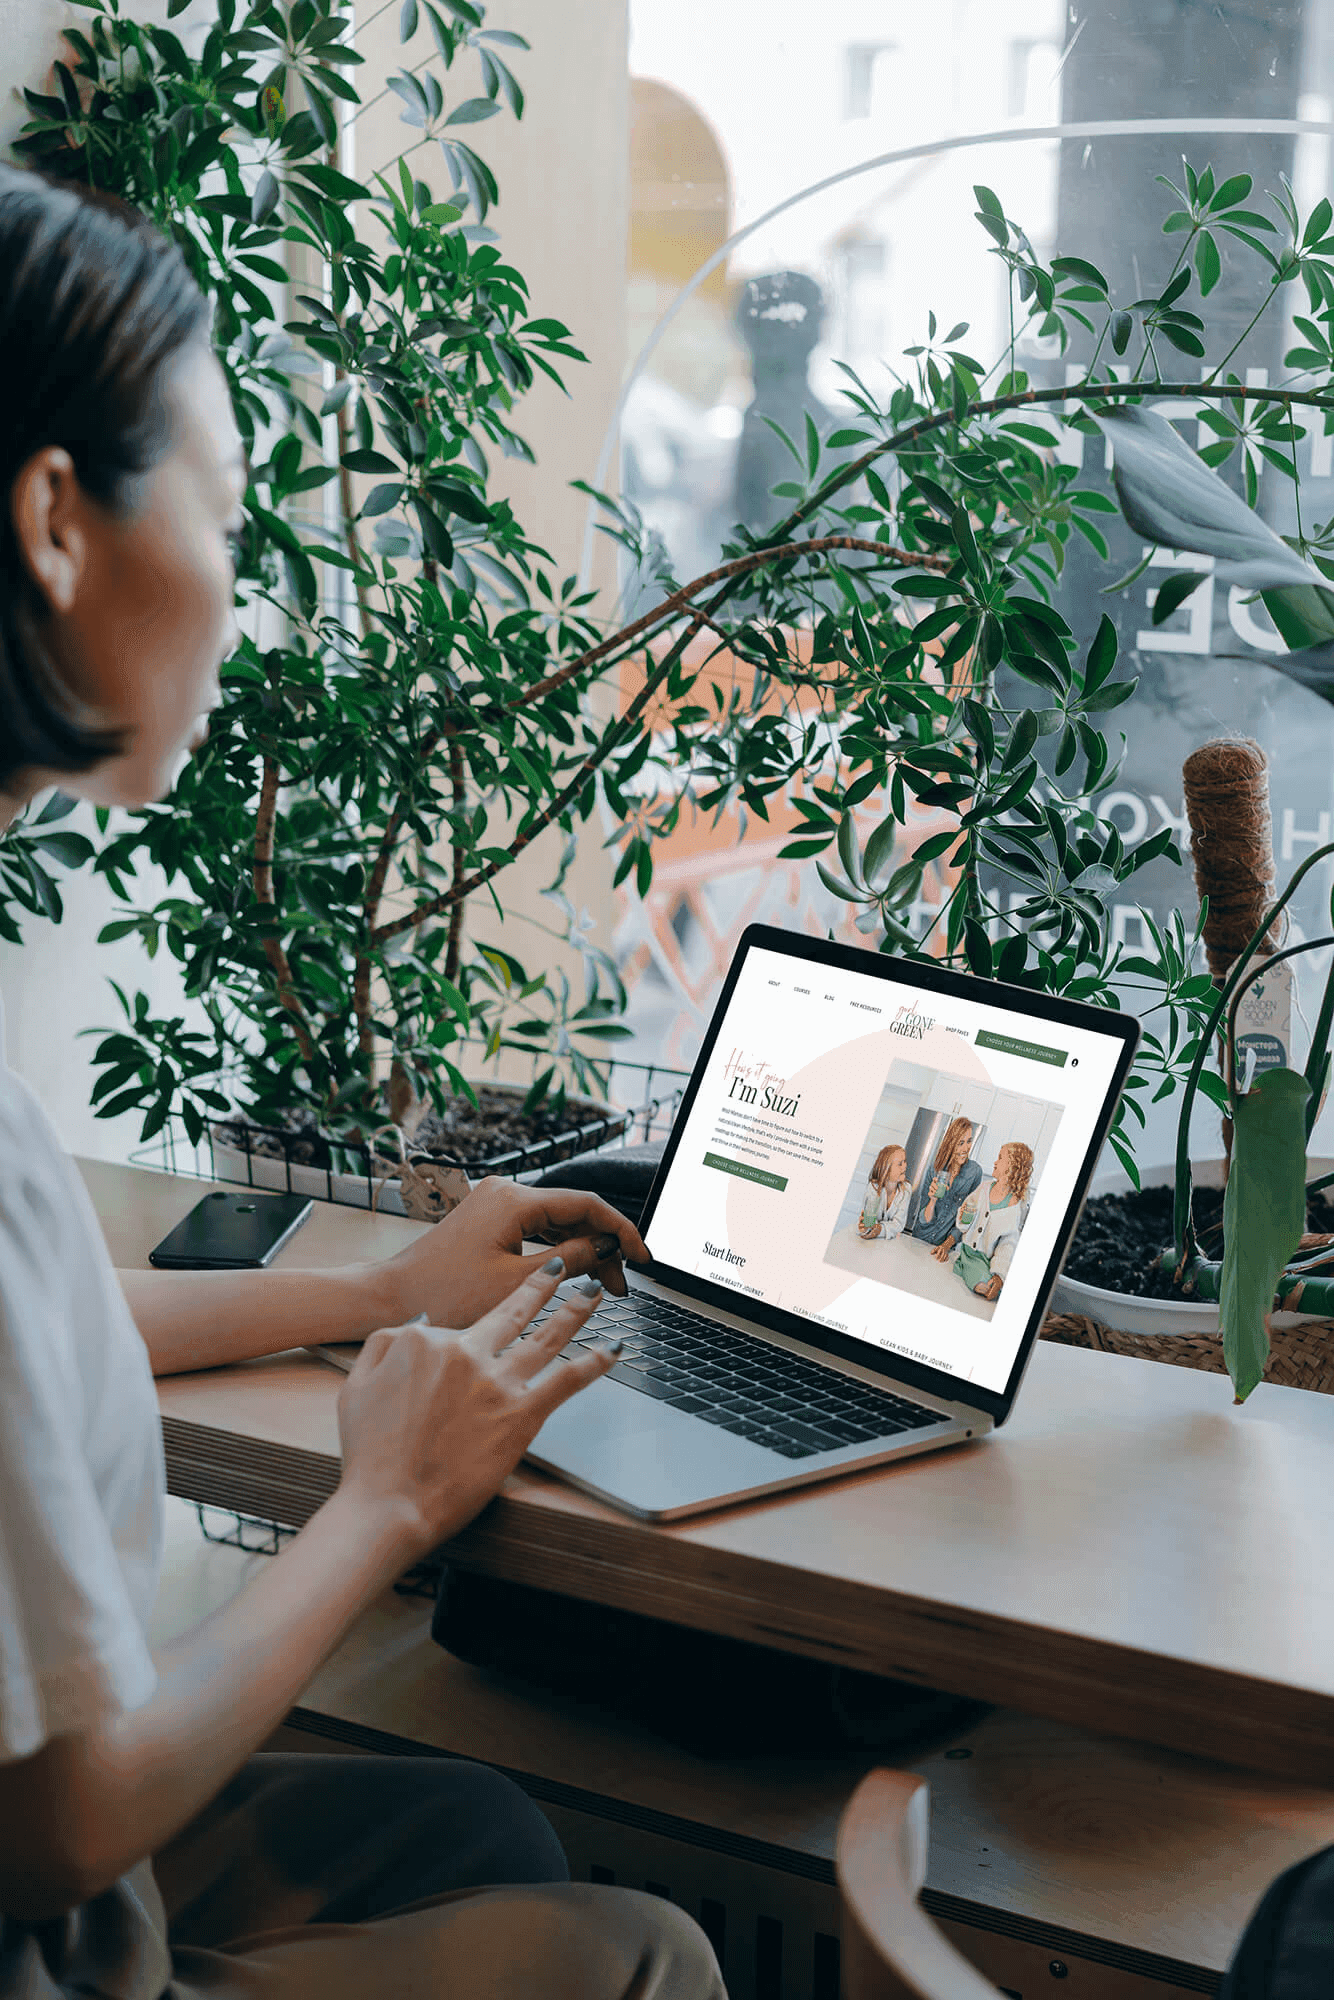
873	1178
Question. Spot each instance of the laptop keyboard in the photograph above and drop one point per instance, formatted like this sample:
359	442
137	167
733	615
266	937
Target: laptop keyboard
742	1385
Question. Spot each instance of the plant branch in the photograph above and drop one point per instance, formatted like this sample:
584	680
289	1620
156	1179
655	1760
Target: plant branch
565	797
370	910
1074	392
265	824
348	509
458	787
742	566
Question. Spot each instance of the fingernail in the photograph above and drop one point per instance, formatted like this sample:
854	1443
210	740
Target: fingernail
603	1246
590	1288
553	1267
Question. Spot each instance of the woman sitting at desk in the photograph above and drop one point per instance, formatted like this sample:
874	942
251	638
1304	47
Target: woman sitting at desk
953	1177
888	1194
990	1225
145	1853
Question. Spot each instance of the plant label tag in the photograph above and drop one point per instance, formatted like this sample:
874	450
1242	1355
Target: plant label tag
1264	1025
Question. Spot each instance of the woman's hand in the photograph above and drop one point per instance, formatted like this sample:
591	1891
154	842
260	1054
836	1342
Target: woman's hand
474	1257
943	1251
432	1422
867	1234
990	1289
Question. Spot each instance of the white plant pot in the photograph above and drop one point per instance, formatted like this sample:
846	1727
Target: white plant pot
1131	1315
234	1163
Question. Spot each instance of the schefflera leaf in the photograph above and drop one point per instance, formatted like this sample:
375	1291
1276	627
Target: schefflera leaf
1171	497
1264	1215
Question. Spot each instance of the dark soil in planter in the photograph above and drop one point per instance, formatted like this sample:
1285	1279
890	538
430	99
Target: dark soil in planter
1121	1237
465	1135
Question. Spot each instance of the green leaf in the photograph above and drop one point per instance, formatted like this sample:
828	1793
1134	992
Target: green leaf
1173	594
407	20
381	499
1321	217
847	849
1231	192
880	849
369	461
1264	1216
1179	337
71	850
1102	655
1077	267
265	198
1170	497
1122	327
472	111
1208	263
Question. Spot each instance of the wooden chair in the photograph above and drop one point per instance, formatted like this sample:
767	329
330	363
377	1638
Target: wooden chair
891	1950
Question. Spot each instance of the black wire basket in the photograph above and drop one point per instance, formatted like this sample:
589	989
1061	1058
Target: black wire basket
641	1103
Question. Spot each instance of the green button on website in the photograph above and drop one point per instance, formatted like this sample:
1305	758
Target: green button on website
743	1172
1010	1045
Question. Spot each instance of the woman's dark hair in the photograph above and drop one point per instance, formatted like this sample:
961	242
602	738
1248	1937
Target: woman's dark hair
95	303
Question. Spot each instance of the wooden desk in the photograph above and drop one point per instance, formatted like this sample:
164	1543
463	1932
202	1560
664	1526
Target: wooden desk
1136	1868
1130	1553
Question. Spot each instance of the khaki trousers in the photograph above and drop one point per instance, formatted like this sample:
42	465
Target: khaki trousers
348	1878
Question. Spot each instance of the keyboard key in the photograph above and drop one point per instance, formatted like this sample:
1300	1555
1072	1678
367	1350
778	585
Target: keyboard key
692	1405
756	1433
846	1433
814	1440
661	1392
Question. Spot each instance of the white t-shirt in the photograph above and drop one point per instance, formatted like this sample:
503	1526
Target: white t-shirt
81	1467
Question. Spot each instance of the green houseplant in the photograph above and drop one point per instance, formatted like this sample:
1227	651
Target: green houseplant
892	637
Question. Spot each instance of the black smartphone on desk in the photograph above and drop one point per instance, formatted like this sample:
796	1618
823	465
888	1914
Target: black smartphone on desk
233	1231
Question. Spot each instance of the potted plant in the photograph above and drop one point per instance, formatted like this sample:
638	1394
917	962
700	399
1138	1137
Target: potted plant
1271	1259
1133	1270
889	644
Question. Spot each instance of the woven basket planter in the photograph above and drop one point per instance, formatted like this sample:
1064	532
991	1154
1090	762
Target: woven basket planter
1301	1349
1300	1357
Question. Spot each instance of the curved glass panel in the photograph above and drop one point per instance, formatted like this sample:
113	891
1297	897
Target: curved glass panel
802	194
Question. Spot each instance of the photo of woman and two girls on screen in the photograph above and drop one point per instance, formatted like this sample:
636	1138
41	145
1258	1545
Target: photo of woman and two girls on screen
943	1187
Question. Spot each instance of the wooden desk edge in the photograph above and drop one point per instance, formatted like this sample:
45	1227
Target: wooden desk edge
1206	1712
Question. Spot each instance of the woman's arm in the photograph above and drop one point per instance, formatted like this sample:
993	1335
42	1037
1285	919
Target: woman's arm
86	1808
431	1423
205	1319
456	1271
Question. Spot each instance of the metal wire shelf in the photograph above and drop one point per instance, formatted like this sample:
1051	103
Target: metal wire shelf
642	1102
268	1538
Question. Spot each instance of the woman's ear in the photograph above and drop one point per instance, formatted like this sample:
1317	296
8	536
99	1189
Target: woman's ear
47	507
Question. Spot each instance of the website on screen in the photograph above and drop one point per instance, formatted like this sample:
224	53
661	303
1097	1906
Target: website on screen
890	1163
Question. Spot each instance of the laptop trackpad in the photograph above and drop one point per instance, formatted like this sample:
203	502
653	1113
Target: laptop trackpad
607	1433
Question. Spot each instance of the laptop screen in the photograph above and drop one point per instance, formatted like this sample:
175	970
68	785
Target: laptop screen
890	1159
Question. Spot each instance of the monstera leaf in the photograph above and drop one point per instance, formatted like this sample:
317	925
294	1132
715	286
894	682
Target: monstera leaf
1264	1215
1171	497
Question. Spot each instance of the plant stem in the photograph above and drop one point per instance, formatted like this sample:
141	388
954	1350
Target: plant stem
455	939
1253	321
265	824
347	505
680	599
564	798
